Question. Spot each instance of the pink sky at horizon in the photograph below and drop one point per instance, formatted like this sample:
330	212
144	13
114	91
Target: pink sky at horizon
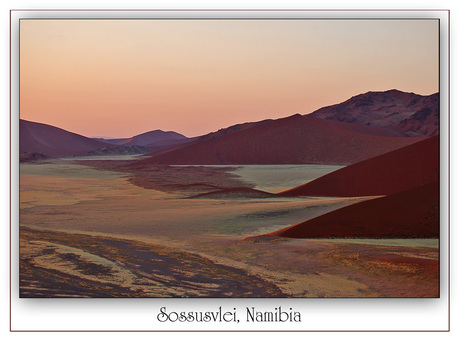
119	78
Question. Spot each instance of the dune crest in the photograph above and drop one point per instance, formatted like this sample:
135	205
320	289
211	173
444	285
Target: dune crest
393	172
291	140
410	214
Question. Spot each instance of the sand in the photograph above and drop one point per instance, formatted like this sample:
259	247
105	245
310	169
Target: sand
102	223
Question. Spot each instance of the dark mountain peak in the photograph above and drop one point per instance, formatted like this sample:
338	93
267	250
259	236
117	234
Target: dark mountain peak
393	92
387	109
160	131
149	138
295	117
383	96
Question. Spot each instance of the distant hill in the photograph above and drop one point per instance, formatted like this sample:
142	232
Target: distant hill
293	140
404	113
55	142
413	213
393	172
52	141
151	138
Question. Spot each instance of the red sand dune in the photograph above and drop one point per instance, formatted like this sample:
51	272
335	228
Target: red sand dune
292	140
157	149
53	141
409	214
393	172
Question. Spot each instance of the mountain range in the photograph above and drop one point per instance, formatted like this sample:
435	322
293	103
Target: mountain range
360	128
55	142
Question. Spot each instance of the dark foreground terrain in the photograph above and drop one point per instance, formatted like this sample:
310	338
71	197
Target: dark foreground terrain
56	264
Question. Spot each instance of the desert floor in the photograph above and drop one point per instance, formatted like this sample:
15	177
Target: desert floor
101	228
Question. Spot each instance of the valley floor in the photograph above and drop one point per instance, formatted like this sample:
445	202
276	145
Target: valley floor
99	229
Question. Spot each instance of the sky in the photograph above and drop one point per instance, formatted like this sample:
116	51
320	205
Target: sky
119	78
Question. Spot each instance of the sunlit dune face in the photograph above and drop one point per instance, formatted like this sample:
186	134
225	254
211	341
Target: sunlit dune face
119	78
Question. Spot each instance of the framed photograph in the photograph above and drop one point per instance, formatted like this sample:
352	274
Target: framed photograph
230	170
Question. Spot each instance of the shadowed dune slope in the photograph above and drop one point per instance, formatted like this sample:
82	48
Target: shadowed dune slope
53	141
393	172
292	140
409	214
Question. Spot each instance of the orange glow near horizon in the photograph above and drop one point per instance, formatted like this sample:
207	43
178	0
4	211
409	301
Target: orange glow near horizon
119	78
